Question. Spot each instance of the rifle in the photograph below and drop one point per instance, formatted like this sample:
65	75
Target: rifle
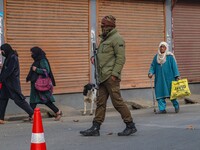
94	48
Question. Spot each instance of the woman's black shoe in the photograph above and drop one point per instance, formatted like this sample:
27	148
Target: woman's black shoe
177	109
161	112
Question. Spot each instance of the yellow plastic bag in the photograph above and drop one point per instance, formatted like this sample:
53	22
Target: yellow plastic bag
179	89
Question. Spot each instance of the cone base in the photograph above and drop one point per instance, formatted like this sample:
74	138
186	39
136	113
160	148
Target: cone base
39	146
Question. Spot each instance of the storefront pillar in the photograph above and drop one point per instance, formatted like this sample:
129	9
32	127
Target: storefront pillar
93	38
168	33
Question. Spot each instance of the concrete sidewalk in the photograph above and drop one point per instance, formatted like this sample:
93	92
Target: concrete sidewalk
132	104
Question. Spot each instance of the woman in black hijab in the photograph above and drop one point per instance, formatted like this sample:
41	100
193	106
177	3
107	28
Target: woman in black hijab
40	64
10	80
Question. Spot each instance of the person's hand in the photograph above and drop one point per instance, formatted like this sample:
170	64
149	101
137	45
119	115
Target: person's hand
34	68
178	78
113	78
150	75
92	59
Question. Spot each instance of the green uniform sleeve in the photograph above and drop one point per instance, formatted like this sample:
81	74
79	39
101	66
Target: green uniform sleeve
119	50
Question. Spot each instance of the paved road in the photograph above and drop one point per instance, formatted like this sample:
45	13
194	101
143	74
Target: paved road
155	132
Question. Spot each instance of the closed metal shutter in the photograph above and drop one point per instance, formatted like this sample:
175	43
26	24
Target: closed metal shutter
141	23
60	28
186	20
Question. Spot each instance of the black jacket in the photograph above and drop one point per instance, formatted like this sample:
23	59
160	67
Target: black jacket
10	78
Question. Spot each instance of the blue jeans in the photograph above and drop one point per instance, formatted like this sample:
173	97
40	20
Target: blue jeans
162	103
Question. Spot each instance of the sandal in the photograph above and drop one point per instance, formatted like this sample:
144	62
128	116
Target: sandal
29	119
58	115
2	122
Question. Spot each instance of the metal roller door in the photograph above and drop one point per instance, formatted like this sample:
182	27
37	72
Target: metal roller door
60	28
141	23
186	20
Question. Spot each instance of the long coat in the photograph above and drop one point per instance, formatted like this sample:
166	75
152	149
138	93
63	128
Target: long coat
35	96
110	56
164	75
10	78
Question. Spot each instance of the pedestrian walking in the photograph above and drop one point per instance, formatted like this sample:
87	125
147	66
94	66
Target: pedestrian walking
10	82
110	62
39	66
165	69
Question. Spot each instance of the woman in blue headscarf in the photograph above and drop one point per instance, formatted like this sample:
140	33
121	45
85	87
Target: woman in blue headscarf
165	69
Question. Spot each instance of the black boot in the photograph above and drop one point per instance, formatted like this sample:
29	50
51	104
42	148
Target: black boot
93	131
130	129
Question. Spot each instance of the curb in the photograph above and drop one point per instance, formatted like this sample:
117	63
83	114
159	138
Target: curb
132	105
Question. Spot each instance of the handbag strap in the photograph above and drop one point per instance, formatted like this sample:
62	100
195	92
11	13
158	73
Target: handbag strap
45	72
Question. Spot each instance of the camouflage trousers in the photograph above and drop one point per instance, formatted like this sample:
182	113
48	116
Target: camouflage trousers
111	88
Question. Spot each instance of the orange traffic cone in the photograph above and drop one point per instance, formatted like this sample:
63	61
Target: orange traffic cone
37	138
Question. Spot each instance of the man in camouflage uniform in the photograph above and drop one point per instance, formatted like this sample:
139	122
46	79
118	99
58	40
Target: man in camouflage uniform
110	61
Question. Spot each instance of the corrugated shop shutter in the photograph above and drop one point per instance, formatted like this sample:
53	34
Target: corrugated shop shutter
60	28
141	23
186	19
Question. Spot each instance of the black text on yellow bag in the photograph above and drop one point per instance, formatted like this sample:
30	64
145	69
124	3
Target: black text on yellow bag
179	89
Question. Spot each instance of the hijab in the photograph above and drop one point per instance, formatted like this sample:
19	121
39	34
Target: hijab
7	50
161	57
38	54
